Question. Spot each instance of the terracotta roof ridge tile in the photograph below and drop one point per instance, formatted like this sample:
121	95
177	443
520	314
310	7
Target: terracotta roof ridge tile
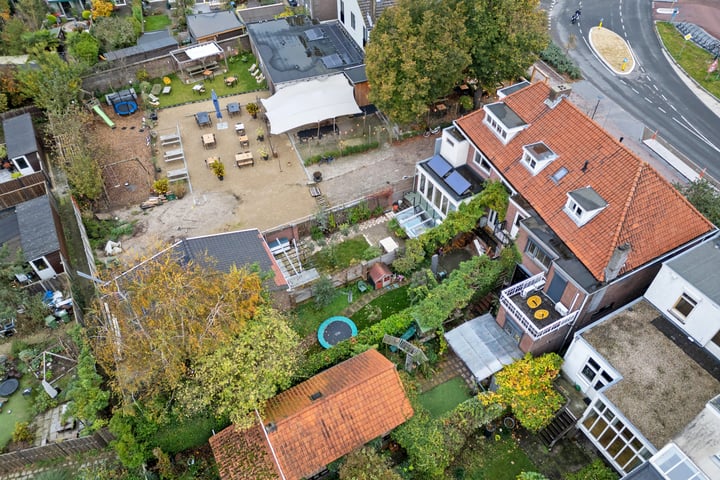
626	209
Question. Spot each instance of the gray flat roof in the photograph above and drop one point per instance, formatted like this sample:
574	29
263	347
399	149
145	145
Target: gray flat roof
483	346
588	198
38	235
700	266
204	24
263	12
513	88
20	136
506	115
296	48
146	43
662	389
646	471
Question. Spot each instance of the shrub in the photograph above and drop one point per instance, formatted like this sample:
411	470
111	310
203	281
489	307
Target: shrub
161	186
345	151
142	75
22	432
597	470
323	291
556	58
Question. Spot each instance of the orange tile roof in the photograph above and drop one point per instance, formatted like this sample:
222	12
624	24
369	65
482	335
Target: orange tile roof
243	454
643	208
362	398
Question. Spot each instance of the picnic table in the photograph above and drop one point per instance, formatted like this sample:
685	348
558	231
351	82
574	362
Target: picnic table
203	119
230	81
233	109
240	129
243	159
244	140
208	140
198	88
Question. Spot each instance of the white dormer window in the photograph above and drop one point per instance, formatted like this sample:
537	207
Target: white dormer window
503	121
583	205
537	156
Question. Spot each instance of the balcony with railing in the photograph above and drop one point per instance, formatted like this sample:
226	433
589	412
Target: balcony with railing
532	310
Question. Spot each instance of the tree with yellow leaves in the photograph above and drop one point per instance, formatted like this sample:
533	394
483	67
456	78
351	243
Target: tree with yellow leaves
101	8
158	325
526	386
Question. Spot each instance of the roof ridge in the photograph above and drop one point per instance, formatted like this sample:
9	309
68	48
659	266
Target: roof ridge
375	372
626	208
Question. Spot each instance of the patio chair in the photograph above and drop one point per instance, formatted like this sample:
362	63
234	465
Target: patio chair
253	69
260	78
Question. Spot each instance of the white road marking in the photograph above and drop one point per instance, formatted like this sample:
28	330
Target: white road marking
648	100
663	111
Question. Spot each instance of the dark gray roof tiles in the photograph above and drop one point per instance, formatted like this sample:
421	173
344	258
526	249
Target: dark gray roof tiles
230	249
700	266
20	136
38	235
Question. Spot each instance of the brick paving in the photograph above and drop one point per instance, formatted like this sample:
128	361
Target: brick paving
448	368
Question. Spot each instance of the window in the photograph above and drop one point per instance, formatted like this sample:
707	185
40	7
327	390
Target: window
342	11
352	20
21	163
40	264
481	161
497	126
575	209
618	441
683	307
675	465
536	253
595	375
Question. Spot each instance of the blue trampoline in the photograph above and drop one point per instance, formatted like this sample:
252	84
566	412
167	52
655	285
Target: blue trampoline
334	330
125	108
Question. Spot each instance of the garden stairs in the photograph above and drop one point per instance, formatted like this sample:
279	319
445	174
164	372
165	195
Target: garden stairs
563	422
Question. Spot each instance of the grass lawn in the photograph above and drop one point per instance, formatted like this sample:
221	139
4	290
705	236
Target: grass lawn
491	459
156	22
182	92
393	301
342	255
19	405
693	59
445	397
308	316
190	433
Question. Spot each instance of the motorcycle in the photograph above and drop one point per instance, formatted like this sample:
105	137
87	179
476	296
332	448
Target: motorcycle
575	18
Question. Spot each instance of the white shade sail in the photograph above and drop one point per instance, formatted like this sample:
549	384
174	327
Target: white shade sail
308	102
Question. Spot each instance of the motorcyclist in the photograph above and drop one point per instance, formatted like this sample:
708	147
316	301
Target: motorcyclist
576	16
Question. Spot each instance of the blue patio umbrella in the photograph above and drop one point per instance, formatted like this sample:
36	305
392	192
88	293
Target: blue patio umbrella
216	102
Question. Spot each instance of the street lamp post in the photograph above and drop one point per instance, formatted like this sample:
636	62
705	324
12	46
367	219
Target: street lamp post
599	98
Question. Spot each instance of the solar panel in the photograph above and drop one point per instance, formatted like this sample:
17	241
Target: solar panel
314	34
458	183
438	165
332	61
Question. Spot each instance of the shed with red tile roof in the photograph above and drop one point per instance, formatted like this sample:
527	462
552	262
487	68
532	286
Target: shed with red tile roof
316	422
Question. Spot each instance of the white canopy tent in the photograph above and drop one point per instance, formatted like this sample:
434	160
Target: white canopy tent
308	102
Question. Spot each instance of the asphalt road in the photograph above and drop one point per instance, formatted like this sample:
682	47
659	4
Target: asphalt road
652	93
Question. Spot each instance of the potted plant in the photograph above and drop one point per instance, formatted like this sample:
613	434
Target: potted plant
253	109
260	132
263	153
218	169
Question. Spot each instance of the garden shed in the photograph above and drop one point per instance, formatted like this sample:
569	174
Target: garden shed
380	275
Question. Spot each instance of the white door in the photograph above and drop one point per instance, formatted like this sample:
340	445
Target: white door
42	268
515	226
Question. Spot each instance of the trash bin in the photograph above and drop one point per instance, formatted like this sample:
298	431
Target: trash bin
51	322
171	196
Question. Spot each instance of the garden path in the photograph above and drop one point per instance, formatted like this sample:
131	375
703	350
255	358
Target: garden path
448	368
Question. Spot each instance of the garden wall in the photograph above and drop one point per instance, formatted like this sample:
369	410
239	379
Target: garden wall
118	75
12	461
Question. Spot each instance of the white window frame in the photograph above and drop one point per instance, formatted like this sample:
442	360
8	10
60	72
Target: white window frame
614	429
533	251
496	126
352	20
660	461
23	170
45	273
596	376
482	162
688	299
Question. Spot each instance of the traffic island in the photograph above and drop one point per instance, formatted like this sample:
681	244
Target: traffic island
614	52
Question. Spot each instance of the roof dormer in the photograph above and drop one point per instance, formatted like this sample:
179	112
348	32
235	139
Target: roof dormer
583	205
537	156
503	121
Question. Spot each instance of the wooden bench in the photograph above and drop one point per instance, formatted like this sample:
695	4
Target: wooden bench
244	159
174	158
179	174
172	155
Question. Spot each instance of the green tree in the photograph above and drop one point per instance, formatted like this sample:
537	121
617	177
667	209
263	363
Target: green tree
83	47
40	40
54	85
423	439
324	291
526	386
11	297
239	376
505	38
418	50
366	464
704	196
87	398
597	470
12	33
32	13
114	32
70	127
421	283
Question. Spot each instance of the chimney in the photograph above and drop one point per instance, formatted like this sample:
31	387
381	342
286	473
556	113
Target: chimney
556	94
585	165
617	261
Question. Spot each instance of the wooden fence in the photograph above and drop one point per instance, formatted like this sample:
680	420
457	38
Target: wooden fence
13	461
22	189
